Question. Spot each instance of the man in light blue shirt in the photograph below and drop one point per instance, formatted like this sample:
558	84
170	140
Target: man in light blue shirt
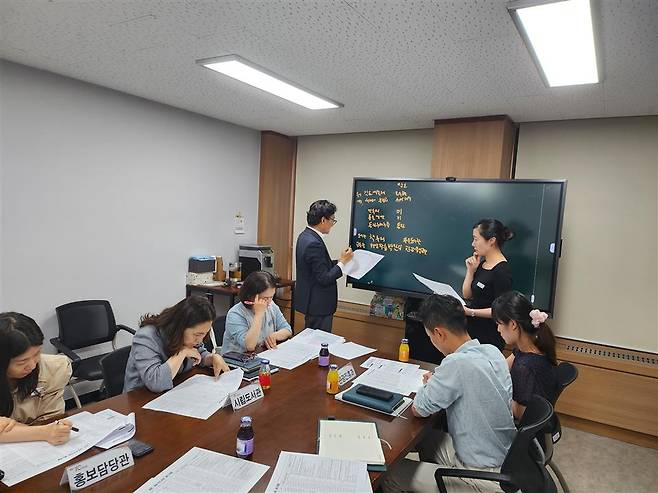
474	386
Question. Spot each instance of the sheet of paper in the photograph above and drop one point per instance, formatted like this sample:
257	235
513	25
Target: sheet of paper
204	471
350	350
290	354
394	376
351	440
439	287
298	473
388	363
21	461
315	337
199	396
362	263
124	428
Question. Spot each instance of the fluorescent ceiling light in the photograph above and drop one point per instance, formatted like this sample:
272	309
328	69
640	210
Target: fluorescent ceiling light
560	38
250	73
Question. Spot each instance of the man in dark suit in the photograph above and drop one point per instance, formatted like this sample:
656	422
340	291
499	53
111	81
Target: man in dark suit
316	291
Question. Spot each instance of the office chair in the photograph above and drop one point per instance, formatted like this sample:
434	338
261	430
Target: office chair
523	468
113	367
566	373
83	324
216	334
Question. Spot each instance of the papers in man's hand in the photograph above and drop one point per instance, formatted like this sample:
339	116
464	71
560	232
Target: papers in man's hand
307	472
394	376
362	262
124	428
350	350
350	440
303	347
21	461
439	287
199	396
205	471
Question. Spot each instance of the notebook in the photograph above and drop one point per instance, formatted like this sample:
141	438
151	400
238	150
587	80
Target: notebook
385	406
351	440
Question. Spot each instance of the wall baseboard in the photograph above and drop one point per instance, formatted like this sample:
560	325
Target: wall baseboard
615	395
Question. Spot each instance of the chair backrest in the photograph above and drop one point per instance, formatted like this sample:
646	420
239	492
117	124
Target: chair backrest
218	328
566	374
113	366
85	323
524	461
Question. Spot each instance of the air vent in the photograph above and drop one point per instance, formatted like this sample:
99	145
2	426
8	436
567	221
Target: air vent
628	356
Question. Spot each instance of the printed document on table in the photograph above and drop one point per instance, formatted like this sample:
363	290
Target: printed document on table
124	428
297	472
315	337
350	350
199	396
388	363
290	354
362	262
439	287
400	381
21	461
204	471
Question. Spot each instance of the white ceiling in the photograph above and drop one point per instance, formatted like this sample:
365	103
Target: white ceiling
394	64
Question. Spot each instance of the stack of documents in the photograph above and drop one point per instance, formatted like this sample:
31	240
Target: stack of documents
205	471
199	396
124	428
21	461
308	472
350	350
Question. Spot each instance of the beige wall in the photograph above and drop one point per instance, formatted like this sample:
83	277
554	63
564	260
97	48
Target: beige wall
607	284
326	165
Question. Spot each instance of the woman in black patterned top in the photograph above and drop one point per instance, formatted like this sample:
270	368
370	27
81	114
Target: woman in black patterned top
485	281
533	364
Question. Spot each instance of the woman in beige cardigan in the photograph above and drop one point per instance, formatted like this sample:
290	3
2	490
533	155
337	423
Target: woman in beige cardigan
31	384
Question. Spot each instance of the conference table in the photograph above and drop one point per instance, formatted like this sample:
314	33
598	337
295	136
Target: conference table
285	419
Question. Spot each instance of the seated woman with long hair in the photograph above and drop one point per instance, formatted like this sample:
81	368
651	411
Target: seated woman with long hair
31	384
532	364
171	343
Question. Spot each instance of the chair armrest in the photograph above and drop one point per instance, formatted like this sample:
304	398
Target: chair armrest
64	350
448	472
126	328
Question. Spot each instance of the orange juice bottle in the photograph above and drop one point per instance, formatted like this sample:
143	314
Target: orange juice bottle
403	354
332	380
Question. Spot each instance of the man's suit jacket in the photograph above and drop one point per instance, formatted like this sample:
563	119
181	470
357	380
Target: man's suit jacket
316	292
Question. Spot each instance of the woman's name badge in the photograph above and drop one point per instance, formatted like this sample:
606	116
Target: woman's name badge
480	285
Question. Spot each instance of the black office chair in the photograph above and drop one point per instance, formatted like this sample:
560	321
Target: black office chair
523	468
218	328
113	367
566	374
83	324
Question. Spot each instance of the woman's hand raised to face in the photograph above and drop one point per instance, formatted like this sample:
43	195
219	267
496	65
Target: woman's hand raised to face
472	263
260	305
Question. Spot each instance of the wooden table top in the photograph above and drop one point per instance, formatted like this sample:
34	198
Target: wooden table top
285	419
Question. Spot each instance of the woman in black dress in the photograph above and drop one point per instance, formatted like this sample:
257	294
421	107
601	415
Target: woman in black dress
533	363
487	280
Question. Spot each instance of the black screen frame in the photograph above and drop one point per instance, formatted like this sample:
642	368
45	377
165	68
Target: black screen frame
423	294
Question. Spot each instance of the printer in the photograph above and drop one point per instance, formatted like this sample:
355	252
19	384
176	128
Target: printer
256	257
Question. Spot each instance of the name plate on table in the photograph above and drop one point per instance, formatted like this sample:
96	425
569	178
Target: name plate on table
345	374
97	468
245	396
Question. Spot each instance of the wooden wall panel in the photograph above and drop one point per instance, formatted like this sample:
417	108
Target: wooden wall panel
473	147
276	197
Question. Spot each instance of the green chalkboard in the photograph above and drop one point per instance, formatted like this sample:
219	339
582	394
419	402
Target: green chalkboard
425	227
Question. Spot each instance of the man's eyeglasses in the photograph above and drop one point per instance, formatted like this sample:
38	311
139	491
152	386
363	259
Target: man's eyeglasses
333	221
